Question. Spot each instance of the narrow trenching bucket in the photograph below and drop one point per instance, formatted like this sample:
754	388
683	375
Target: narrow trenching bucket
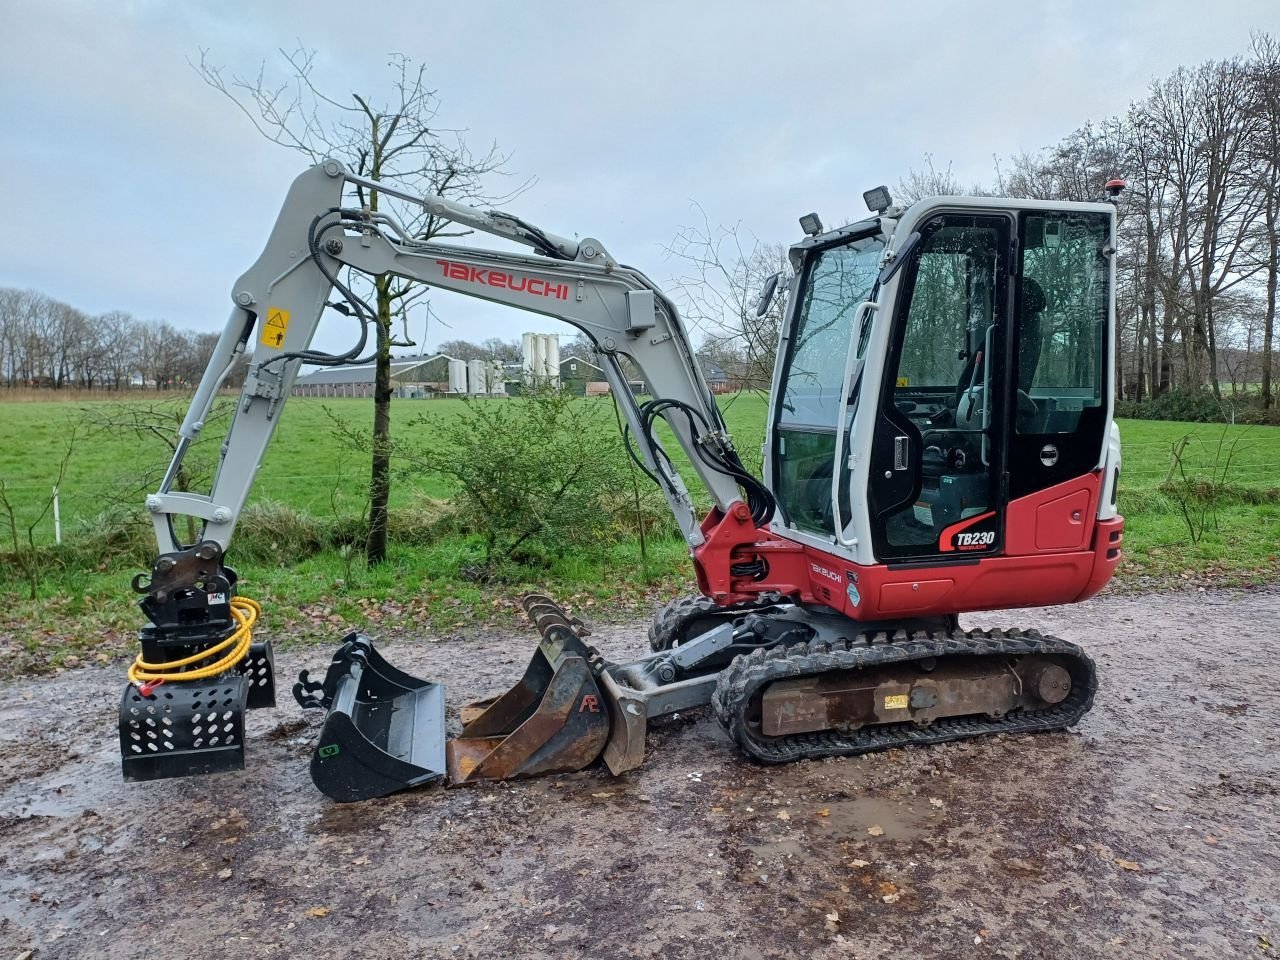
554	720
384	730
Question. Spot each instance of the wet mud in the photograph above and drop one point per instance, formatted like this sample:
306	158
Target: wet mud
1150	830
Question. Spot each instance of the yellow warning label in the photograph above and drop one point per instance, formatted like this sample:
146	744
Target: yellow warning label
897	702
276	327
904	381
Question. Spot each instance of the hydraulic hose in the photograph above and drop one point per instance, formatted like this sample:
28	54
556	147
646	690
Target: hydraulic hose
244	611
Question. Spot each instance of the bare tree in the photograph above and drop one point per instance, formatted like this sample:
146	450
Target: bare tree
506	351
1197	225
390	137
462	350
724	271
1201	116
1264	175
580	347
928	181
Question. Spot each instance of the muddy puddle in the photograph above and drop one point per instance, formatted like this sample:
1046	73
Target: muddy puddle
1151	830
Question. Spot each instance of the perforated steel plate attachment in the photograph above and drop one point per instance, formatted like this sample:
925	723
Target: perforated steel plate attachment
183	729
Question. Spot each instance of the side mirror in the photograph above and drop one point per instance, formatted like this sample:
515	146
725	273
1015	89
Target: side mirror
767	294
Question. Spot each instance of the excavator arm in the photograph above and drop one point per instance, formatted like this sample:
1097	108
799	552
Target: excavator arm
280	299
199	640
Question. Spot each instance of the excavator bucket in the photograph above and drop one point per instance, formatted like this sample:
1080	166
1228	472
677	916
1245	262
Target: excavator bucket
554	720
384	730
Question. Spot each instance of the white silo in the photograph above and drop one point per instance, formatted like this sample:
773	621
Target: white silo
475	377
497	377
526	354
553	359
539	358
457	376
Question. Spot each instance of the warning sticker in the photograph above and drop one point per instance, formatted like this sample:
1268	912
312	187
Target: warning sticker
904	381
898	701
276	327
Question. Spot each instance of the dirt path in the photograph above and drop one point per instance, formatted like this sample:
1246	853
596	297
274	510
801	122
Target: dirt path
1151	831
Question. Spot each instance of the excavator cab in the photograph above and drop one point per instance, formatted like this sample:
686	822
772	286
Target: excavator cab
944	376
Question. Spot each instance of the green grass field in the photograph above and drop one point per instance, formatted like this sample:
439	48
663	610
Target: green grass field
86	607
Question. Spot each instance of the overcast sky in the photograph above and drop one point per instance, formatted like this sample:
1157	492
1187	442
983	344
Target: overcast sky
132	185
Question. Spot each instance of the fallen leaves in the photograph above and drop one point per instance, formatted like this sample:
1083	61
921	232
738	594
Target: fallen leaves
1127	865
317	912
860	863
824	812
876	830
224	874
783	815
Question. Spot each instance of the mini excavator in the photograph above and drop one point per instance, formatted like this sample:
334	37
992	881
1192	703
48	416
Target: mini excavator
939	440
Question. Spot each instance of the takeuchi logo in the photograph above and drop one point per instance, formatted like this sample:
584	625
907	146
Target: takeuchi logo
824	572
506	281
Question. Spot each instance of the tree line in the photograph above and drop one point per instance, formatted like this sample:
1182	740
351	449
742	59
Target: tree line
1199	222
1199	257
1199	235
46	343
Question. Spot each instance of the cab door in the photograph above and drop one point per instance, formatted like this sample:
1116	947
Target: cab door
938	455
1061	382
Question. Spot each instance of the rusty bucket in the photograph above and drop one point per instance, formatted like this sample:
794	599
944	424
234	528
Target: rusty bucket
555	720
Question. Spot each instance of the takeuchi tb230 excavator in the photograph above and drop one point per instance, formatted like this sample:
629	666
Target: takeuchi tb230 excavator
939	440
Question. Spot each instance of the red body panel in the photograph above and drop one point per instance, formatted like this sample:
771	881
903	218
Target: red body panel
1055	551
1060	517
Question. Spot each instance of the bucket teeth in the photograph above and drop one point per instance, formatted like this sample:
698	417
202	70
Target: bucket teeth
545	614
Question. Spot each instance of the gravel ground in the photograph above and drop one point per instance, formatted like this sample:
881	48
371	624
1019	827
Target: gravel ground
1152	830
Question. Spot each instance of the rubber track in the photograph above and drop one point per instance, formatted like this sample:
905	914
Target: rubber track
675	616
749	674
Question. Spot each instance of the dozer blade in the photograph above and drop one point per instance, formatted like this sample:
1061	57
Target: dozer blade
555	720
384	730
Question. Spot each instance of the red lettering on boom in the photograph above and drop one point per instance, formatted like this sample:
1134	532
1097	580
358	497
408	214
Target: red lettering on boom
535	286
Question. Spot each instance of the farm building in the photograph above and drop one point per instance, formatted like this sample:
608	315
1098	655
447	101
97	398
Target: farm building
586	379
717	379
418	377
582	377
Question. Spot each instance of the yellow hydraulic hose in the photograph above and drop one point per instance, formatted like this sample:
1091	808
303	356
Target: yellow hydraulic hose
244	611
